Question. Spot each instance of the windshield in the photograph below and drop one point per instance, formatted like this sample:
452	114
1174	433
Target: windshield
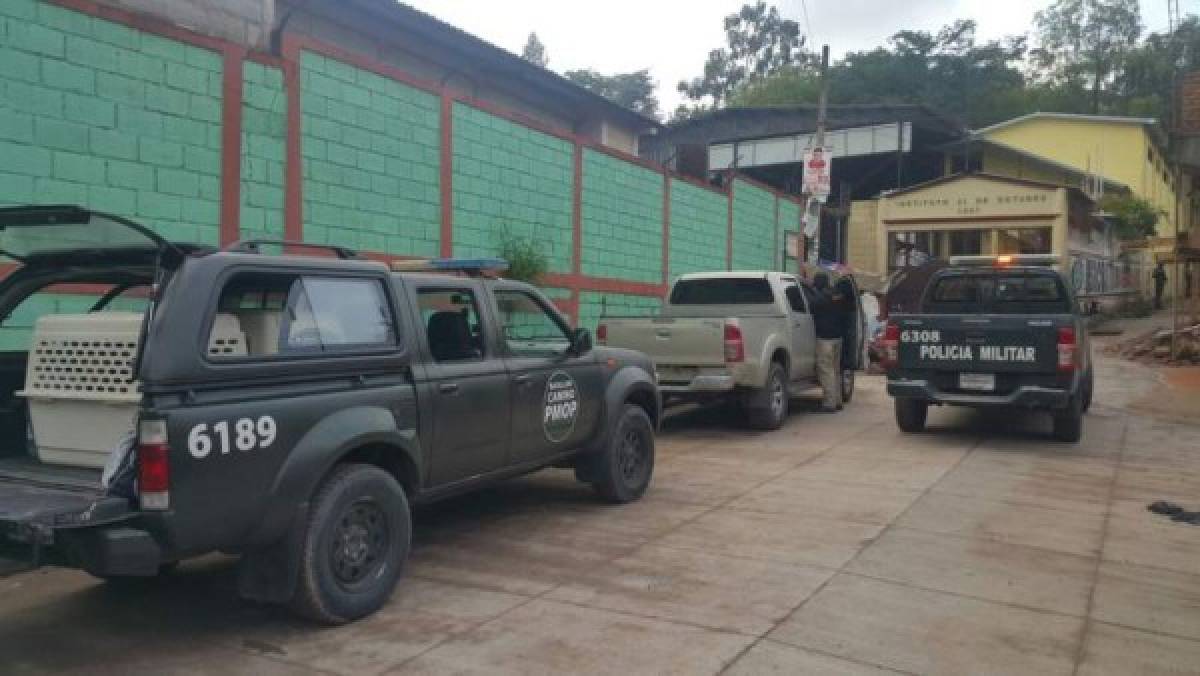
1012	293
31	231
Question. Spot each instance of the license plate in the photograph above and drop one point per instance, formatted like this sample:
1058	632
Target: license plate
982	382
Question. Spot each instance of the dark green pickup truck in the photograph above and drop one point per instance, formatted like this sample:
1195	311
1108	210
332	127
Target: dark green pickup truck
992	332
285	408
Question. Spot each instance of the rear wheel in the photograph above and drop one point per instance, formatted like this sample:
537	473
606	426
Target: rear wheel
911	414
356	541
621	472
1068	423
847	385
767	409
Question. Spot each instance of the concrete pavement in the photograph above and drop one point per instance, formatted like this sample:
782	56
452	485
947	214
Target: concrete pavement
834	546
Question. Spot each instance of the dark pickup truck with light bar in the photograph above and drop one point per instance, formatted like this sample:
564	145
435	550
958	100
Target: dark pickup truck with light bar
992	331
161	401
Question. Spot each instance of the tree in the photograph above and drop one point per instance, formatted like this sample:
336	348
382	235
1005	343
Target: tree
1144	85
1081	44
535	52
634	91
1133	217
758	42
947	70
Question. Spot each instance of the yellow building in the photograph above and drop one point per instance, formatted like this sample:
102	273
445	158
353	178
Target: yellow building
1128	150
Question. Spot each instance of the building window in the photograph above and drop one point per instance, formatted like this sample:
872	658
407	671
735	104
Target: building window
1025	241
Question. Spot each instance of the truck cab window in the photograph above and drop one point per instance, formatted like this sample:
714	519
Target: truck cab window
529	329
795	299
452	326
265	315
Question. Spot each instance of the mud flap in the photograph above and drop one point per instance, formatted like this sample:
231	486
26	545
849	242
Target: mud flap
270	574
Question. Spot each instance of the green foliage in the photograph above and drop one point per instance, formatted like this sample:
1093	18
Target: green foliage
526	262
1133	217
1083	43
634	91
759	42
535	52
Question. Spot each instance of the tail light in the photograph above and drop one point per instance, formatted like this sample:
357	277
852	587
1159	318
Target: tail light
735	346
602	334
1068	349
154	470
891	345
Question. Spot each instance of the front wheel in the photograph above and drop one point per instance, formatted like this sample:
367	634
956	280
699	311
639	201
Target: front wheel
621	472
911	415
357	538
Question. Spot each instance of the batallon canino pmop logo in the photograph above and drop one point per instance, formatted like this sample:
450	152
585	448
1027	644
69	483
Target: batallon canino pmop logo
560	406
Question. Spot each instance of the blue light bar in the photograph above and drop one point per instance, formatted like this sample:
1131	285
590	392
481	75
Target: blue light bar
469	266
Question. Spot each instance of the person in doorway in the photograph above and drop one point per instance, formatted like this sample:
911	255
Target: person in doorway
829	321
1160	284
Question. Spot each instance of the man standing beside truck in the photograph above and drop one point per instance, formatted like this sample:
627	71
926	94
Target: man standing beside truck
829	322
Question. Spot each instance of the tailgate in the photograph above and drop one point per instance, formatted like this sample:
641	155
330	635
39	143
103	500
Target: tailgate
979	343
30	515
672	341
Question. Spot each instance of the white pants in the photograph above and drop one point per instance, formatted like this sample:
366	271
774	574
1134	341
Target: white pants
829	371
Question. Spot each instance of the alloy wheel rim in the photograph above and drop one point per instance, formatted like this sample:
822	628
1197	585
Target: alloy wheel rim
359	543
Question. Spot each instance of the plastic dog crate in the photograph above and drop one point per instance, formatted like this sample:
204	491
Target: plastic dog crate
80	385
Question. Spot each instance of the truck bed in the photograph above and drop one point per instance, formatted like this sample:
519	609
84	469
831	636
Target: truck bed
29	471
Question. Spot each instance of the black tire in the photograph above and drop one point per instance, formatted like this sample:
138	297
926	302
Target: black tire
1088	386
621	472
911	415
847	385
1068	423
767	409
356	541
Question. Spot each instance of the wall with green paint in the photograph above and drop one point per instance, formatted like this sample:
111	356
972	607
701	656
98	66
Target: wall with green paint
16	332
510	179
98	114
264	143
622	219
594	305
371	160
699	229
753	227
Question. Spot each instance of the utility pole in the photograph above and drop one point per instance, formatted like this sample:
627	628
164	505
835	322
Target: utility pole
819	142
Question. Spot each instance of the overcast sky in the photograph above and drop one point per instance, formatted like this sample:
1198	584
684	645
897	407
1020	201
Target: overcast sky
672	37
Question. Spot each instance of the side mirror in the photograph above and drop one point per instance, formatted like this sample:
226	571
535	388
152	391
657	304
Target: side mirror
581	342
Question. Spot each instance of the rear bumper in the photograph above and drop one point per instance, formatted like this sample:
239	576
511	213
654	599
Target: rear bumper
1024	396
703	384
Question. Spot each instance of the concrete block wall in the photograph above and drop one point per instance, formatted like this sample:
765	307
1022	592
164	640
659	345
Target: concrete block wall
371	150
510	179
207	141
622	219
264	148
754	227
98	114
699	229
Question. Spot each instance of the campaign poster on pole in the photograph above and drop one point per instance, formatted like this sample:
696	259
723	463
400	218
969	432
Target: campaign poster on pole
817	164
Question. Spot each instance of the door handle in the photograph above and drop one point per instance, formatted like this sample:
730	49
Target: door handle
448	388
523	380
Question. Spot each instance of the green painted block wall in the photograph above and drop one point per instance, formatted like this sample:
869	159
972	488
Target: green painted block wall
699	229
789	221
17	330
98	114
264	146
510	179
593	305
753	227
371	158
622	219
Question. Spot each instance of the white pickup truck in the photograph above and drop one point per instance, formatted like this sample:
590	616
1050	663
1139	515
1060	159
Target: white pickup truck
742	335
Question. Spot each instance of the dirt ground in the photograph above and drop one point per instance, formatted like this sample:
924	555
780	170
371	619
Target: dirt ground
836	545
